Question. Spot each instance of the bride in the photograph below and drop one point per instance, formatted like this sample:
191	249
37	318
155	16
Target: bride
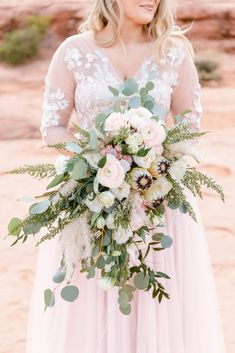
124	39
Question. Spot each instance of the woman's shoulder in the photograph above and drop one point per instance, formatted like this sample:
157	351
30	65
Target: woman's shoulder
77	40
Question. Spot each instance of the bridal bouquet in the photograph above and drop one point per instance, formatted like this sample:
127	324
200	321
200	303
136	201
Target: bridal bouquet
108	199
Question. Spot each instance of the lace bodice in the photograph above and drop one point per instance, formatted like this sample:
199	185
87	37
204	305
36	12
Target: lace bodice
80	72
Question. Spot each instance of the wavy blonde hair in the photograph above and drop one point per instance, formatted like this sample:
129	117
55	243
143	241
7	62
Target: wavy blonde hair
162	29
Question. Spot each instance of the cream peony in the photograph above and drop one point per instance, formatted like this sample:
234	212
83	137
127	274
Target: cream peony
112	174
60	164
178	169
122	235
153	134
114	122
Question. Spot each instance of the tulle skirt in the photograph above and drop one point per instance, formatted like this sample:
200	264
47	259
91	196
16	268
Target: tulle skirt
187	323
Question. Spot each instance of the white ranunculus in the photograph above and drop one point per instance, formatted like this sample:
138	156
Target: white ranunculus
112	174
146	161
105	283
115	121
92	158
94	205
100	223
178	169
60	164
153	134
121	235
106	198
122	192
138	138
110	221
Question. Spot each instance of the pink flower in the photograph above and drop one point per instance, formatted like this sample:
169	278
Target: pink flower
153	134
112	174
114	122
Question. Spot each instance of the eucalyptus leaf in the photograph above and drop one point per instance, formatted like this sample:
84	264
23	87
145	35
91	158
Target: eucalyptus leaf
73	146
40	207
91	273
99	121
59	276
114	91
49	298
32	228
95	250
150	86
157	236
134	102
183	209
162	275
141	280
56	181
69	293
166	241
93	139
130	87
123	299
126	310
100	262
80	170
149	105
94	217
102	162
14	227
173	204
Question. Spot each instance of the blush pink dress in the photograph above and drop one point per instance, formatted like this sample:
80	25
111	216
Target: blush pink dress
77	80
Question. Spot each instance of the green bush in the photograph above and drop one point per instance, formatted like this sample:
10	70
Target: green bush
207	70
22	44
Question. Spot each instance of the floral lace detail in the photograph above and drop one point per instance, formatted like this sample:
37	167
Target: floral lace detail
53	103
195	116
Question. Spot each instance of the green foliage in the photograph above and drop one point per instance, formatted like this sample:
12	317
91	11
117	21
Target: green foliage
180	132
176	198
22	44
194	179
207	70
39	171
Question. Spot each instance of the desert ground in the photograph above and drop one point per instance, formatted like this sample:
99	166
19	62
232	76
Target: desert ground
21	94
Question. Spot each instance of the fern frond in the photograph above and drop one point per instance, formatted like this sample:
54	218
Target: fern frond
39	171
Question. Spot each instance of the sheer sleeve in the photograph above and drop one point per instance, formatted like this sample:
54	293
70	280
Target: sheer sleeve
58	101
186	93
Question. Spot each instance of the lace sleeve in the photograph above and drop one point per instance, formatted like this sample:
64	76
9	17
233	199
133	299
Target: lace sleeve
58	101
186	93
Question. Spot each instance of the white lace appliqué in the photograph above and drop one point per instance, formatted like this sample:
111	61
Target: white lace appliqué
195	116
53	103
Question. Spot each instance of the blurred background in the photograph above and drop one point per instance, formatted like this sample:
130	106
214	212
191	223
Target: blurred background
30	31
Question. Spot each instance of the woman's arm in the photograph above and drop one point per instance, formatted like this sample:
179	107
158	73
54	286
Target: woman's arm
58	102
186	94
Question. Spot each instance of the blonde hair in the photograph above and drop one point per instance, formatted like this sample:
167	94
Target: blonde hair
162	29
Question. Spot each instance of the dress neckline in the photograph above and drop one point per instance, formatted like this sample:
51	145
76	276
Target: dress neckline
114	70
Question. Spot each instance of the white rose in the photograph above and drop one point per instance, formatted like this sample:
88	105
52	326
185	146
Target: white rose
178	169
94	205
153	134
139	117
60	164
110	221
100	223
105	283
146	161
114	122
121	235
106	198
122	192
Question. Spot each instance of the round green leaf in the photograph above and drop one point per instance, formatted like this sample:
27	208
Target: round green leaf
59	276
183	209
73	146
80	170
166	241
100	262
125	310
173	204
69	293
141	280
123	299
40	207
14	227
130	87
91	273
32	228
49	298
150	86
56	181
134	102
